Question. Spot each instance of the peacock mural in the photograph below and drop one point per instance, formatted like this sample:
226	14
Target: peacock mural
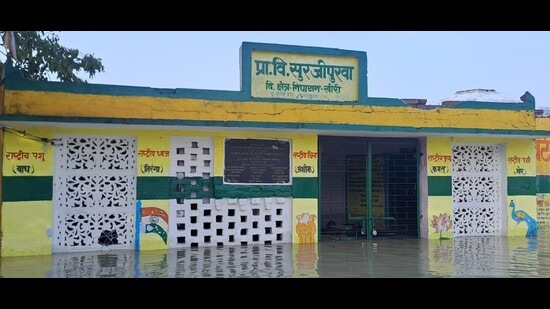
522	216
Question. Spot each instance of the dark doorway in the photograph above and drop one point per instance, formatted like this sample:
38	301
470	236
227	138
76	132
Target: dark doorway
368	187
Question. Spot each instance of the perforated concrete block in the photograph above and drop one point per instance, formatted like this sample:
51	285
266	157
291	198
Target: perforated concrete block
243	201
267	202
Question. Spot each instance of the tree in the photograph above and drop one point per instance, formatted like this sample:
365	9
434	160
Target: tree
40	56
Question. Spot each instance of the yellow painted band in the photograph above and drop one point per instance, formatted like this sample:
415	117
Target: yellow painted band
84	105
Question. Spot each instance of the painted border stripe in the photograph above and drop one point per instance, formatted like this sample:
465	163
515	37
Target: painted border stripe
305	187
440	186
522	185
71	105
84	121
27	188
39	188
543	184
222	190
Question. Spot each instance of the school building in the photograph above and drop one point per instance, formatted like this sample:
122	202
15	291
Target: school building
300	154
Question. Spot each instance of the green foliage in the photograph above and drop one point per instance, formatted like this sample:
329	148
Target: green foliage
41	57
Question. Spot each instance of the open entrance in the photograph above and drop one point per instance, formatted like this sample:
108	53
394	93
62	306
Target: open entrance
368	187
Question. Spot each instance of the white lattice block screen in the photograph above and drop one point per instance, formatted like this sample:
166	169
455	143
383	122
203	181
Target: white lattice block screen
94	193
477	189
191	157
197	219
230	222
231	262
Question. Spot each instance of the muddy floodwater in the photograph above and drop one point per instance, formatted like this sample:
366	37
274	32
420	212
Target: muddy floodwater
384	257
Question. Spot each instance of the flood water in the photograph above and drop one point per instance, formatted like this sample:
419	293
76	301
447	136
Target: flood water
461	257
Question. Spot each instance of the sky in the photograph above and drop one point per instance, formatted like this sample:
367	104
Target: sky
431	65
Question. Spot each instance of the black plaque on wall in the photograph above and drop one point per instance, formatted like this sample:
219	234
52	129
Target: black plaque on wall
257	161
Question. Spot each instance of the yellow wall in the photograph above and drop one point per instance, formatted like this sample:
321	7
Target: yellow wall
520	162
86	105
26	225
440	208
26	228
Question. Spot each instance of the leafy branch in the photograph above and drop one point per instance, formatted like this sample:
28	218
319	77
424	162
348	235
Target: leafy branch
40	56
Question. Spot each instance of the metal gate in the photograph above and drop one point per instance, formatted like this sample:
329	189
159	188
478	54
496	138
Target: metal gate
368	187
94	191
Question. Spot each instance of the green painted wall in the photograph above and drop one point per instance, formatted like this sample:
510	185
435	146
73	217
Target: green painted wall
39	188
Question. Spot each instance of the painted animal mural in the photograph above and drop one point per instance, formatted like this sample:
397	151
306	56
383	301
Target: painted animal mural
522	216
306	228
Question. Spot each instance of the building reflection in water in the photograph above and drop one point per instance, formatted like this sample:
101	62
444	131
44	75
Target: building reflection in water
252	261
488	257
380	257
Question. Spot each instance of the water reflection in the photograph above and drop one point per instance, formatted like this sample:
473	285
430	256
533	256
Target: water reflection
377	258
